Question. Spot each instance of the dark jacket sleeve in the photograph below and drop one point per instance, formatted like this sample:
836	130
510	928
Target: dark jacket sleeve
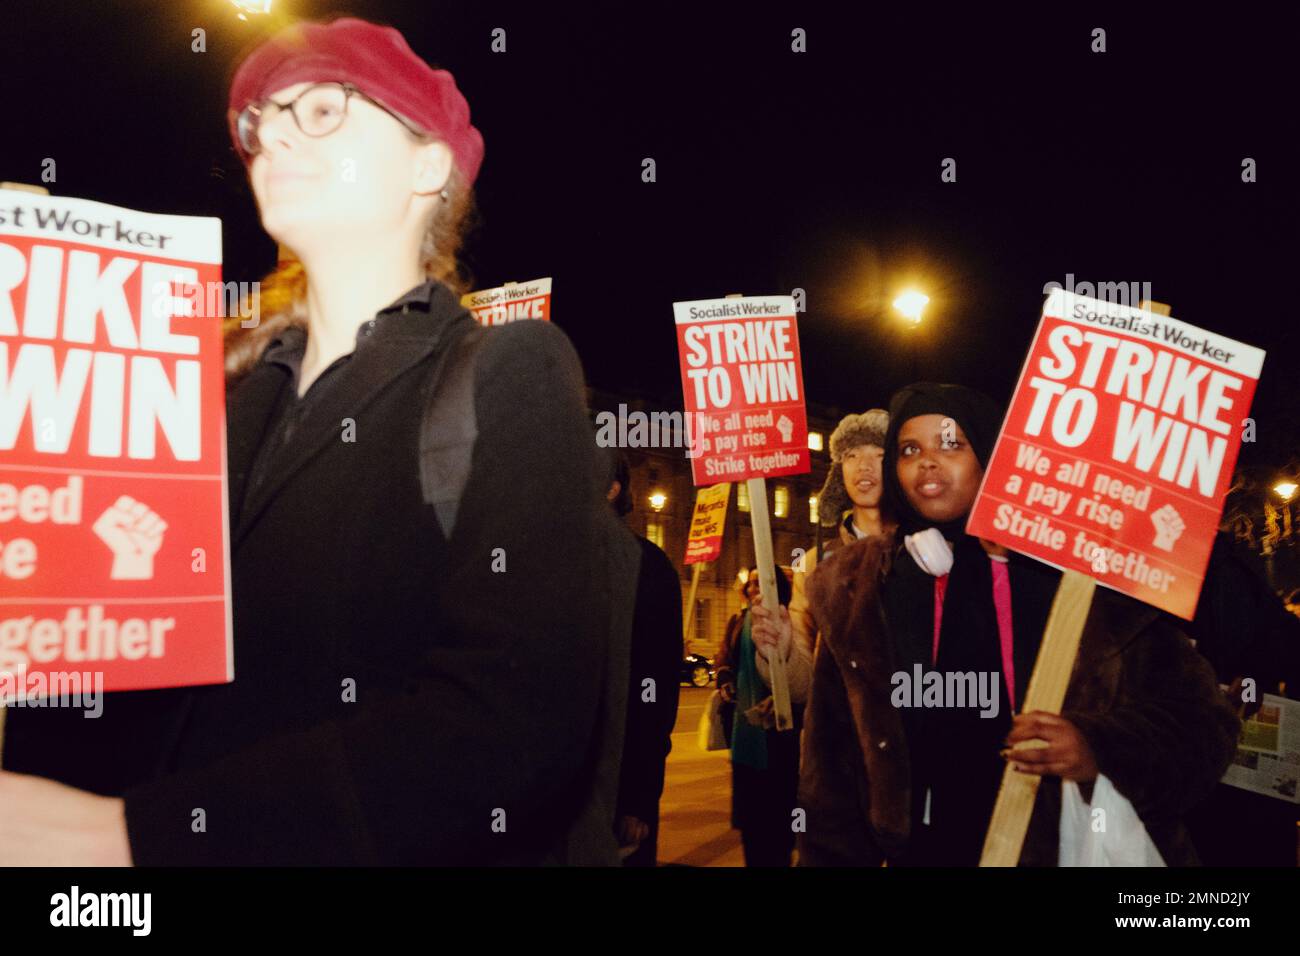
836	828
1242	627
657	655
484	754
1170	735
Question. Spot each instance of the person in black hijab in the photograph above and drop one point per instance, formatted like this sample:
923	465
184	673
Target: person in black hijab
940	437
887	777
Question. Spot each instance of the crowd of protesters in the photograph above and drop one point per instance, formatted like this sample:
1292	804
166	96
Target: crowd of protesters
512	649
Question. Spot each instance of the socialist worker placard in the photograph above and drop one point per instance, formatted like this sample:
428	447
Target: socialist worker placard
114	542
512	302
1118	448
742	386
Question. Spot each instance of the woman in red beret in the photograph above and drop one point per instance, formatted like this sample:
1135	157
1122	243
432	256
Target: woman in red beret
420	642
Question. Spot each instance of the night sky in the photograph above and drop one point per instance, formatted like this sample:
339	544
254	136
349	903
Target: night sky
775	170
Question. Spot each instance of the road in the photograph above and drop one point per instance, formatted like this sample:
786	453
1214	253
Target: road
695	812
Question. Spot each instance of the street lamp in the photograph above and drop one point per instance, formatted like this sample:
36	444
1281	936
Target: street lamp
252	6
911	304
657	501
1285	490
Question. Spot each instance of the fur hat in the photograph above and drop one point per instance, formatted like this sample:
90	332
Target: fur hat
869	428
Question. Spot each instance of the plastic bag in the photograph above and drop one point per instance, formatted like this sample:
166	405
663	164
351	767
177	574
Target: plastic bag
712	735
1106	833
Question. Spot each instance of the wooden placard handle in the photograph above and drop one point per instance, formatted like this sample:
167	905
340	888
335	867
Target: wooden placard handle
26	188
1015	803
767	584
688	622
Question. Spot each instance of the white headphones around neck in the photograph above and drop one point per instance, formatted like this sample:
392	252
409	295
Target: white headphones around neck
930	550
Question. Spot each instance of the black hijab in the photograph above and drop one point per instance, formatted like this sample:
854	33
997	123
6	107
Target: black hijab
979	417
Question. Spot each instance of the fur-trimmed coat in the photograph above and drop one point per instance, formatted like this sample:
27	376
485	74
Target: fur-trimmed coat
1143	698
803	617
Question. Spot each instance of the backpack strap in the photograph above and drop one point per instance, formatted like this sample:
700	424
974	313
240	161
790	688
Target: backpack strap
449	425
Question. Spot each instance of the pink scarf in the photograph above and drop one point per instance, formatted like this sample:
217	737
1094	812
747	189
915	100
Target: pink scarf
1002	605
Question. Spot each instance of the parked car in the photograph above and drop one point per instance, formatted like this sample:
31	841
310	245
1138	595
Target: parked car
697	670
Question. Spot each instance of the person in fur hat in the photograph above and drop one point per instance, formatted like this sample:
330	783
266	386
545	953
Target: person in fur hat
850	501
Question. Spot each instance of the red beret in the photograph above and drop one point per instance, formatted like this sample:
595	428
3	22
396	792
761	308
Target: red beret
379	62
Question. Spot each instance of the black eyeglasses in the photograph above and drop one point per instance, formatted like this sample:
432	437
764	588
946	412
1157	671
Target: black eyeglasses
317	111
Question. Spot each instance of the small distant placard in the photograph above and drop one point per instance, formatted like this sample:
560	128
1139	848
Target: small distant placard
511	302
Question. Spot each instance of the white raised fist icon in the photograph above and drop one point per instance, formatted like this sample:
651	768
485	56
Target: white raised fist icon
786	428
1169	527
134	533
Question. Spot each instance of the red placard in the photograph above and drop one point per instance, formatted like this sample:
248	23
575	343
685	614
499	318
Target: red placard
1118	448
114	541
742	381
511	302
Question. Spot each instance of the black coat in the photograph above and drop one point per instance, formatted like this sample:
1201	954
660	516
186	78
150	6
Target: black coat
477	663
1241	627
1141	696
656	653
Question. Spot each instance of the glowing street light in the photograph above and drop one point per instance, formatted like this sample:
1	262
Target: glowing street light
658	500
1285	489
910	304
252	6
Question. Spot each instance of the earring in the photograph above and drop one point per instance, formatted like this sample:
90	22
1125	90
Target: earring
443	194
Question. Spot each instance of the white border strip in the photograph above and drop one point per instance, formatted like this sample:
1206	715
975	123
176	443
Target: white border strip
189	238
734	310
1123	320
514	292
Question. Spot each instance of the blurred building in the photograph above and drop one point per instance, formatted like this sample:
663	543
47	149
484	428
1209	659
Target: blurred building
663	497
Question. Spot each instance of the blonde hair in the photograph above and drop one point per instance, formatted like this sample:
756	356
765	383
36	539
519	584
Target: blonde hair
281	299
